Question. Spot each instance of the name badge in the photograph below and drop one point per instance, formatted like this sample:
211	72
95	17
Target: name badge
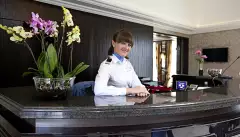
181	85
128	68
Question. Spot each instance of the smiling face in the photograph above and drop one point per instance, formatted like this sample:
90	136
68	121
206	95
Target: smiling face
122	43
122	48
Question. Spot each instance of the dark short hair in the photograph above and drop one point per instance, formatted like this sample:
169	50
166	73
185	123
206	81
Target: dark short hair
121	36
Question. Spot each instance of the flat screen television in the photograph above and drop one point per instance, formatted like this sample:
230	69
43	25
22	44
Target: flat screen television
216	54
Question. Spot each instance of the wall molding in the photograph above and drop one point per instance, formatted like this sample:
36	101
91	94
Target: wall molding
100	8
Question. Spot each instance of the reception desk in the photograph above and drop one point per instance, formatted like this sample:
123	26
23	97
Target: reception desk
205	112
201	80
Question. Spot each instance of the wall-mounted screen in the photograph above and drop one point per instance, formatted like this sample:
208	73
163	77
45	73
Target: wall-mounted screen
216	54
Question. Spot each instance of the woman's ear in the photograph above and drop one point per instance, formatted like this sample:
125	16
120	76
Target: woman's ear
113	43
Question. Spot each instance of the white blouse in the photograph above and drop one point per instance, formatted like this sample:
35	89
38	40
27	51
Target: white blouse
115	76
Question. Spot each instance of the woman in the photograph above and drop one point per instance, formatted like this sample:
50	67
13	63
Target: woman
116	75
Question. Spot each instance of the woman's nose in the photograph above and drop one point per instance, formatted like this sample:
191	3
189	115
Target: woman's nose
127	45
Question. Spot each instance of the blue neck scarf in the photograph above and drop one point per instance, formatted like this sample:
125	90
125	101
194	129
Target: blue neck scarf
119	57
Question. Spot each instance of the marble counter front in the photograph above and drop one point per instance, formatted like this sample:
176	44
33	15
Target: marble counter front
177	108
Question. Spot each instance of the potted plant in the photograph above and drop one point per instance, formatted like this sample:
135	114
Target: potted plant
49	77
200	59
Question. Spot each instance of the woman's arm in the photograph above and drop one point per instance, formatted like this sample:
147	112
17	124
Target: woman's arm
135	80
101	81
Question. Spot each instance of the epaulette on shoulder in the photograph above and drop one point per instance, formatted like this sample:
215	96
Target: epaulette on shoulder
109	60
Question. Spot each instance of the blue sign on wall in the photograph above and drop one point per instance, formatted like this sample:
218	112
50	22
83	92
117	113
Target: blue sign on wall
181	85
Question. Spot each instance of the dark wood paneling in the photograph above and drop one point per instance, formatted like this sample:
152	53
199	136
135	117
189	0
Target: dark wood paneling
182	55
96	35
15	59
2	67
2	5
185	55
141	55
21	10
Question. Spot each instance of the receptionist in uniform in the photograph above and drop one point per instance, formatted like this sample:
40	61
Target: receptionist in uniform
116	75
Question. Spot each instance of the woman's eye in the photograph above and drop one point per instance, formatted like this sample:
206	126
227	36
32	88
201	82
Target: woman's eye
125	43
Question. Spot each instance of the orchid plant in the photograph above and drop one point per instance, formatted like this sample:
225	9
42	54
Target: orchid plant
199	57
49	61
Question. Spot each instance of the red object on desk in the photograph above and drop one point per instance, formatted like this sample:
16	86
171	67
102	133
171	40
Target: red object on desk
158	88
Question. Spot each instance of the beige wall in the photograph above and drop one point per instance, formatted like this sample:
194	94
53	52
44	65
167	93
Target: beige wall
229	38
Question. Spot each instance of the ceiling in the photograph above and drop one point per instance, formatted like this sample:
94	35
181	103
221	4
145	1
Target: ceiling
197	14
180	16
193	13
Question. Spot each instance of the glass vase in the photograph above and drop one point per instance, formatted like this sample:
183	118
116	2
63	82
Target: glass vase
200	69
53	88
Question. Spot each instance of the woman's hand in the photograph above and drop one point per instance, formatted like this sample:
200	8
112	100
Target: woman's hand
139	91
137	99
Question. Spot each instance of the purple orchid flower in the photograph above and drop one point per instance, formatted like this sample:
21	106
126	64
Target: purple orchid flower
48	27
36	23
35	16
40	24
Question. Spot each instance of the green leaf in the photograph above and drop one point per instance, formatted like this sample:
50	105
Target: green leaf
47	75
46	71
51	57
81	69
61	71
77	68
28	73
41	61
68	75
40	57
33	69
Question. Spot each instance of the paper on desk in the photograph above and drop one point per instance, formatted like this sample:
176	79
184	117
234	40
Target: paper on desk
200	88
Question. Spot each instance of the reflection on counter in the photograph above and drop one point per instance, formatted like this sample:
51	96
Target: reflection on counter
201	94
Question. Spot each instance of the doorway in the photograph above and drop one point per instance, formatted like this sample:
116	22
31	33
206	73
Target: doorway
164	58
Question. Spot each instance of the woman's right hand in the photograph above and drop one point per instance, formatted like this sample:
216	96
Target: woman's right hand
139	91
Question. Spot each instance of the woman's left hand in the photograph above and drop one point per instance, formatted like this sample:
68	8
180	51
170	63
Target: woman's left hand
137	99
143	94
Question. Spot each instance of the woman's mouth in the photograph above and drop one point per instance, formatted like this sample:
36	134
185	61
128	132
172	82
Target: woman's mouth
124	50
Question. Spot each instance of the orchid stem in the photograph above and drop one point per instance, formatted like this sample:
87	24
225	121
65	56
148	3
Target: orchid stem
60	46
43	45
40	41
25	43
70	59
69	64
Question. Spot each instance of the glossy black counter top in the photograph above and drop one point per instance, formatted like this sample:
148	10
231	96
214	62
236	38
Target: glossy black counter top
22	102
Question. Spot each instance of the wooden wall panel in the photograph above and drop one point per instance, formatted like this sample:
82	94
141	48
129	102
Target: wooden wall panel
2	5
96	35
141	55
15	58
182	55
